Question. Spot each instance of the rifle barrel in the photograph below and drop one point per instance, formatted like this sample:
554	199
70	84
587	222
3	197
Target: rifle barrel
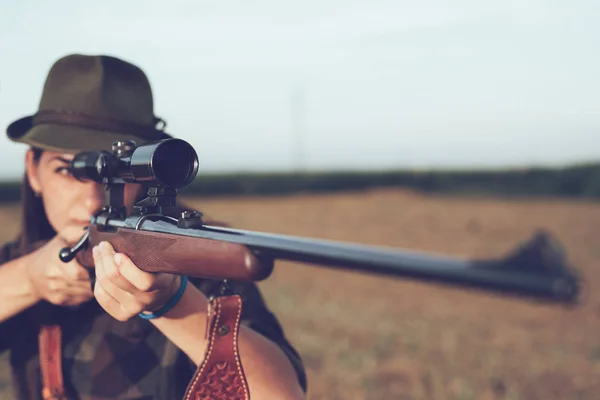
552	285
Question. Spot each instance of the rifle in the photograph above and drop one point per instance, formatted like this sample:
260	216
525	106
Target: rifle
157	241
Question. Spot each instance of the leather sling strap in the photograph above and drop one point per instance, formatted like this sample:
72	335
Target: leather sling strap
221	376
50	362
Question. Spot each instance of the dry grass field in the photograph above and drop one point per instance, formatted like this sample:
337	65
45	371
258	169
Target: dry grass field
370	337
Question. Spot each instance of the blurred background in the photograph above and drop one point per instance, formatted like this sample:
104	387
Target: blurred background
456	127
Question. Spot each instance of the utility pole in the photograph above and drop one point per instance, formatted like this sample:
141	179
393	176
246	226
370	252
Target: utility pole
298	127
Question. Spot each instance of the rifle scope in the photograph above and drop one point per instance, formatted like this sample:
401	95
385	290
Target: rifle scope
170	162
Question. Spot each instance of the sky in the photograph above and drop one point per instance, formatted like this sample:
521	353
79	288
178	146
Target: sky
333	84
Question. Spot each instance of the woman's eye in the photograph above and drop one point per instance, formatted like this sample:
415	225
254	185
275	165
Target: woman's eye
63	171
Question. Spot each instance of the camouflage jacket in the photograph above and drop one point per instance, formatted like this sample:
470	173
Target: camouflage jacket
107	359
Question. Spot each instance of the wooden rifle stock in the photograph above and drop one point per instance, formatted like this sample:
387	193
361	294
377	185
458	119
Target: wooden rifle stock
183	255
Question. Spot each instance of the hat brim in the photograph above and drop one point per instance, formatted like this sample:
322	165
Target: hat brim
67	138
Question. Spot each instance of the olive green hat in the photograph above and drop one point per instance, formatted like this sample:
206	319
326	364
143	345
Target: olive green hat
88	102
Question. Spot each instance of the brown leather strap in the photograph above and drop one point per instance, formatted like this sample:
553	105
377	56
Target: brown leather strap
50	362
221	376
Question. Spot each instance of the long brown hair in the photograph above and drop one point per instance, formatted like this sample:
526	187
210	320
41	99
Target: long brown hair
35	226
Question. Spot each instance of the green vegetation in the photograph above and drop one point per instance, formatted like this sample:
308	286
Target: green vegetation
580	181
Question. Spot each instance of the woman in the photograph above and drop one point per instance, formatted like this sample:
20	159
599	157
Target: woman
109	347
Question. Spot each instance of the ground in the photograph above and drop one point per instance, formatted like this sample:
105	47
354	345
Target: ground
379	338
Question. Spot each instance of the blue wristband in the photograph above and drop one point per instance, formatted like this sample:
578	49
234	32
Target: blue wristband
170	304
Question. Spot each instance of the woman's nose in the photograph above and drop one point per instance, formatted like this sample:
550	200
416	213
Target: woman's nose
93	196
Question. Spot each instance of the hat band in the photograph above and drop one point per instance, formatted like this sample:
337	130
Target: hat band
99	123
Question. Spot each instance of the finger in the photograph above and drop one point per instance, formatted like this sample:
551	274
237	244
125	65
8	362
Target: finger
74	271
59	299
109	279
78	296
141	280
63	287
78	287
111	305
56	285
124	298
53	271
98	267
102	277
111	270
151	287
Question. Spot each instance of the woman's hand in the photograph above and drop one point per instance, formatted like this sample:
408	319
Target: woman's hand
64	284
124	290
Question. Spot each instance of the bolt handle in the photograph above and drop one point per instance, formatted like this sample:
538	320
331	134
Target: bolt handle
67	254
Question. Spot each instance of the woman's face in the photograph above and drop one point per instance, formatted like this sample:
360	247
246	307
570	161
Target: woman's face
69	203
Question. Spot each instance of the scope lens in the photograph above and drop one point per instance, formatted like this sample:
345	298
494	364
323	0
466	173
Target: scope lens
92	165
175	163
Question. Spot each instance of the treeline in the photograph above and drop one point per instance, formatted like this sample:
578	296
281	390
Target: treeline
582	181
